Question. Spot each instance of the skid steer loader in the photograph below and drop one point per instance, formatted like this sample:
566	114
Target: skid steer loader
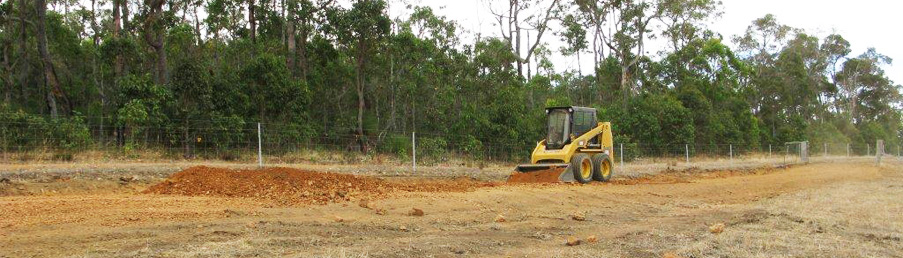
577	146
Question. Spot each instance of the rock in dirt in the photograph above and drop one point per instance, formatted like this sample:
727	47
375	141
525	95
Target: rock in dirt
591	239
365	204
380	211
338	219
578	217
572	241
499	218
717	228
416	212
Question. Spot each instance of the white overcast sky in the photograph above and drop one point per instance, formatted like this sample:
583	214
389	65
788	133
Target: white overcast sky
864	23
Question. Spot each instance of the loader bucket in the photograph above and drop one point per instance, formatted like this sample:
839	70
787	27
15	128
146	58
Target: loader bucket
542	173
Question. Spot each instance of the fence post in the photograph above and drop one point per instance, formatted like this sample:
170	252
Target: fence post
414	151
621	154
687	151
769	151
731	148
848	150
259	147
826	149
879	150
868	149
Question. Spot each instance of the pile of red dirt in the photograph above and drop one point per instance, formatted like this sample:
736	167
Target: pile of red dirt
295	186
544	176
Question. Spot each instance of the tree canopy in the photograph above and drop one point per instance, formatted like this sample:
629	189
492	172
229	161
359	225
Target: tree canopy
352	76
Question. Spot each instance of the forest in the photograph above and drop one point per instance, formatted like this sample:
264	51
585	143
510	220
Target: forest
111	72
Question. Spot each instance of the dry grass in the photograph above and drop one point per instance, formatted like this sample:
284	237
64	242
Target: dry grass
858	219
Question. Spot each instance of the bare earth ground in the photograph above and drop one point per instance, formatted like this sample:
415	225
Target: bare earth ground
842	209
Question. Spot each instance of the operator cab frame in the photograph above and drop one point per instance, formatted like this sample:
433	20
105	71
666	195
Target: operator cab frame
568	122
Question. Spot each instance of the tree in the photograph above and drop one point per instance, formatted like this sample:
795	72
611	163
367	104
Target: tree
154	35
52	85
515	22
360	29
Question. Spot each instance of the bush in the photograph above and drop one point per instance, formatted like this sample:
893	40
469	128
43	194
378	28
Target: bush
431	148
396	144
27	131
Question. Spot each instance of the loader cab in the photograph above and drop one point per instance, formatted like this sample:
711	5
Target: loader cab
563	122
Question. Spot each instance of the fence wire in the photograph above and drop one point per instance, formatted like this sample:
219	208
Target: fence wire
232	140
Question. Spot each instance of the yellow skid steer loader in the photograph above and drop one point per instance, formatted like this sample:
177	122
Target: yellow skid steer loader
577	146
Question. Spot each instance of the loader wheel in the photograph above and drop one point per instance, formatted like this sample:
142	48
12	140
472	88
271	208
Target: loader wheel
582	167
602	169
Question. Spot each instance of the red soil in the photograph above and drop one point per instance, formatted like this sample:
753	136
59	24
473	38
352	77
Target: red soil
295	186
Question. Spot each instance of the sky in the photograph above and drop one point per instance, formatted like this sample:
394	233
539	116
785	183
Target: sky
864	23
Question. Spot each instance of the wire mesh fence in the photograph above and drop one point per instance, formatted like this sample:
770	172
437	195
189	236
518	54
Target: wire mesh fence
25	139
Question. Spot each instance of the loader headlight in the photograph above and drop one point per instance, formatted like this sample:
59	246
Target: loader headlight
605	151
581	143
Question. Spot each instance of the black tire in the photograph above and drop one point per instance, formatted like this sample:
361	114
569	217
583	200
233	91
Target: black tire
582	167
601	165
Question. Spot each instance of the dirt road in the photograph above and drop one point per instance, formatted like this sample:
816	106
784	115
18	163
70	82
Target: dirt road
842	209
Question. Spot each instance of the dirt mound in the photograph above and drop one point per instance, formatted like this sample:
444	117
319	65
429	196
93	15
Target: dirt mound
545	176
295	186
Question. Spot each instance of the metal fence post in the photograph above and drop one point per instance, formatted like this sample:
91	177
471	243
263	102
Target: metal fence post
687	151
621	154
848	150
731	148
769	151
826	149
259	147
414	151
868	149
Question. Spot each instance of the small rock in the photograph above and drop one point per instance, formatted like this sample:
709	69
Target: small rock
592	239
380	211
416	212
403	228
252	224
572	241
578	217
364	204
500	218
200	225
338	219
717	228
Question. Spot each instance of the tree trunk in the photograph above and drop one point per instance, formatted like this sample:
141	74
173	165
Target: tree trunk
360	96
124	7
154	33
117	22
23	44
292	53
7	80
187	139
52	84
197	26
252	20
302	51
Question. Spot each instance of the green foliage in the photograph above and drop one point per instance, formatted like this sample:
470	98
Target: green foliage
432	148
657	120
25	131
318	72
